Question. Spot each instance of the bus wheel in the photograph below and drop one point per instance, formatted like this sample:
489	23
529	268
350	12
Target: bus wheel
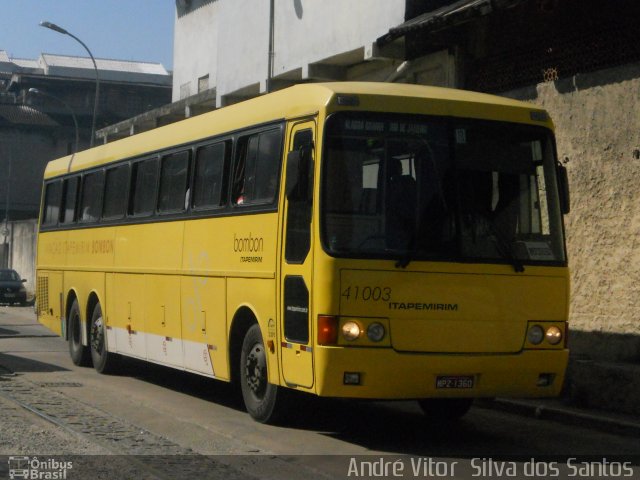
259	395
79	353
103	361
443	410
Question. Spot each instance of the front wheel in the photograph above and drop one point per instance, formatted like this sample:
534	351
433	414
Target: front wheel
261	398
103	361
444	410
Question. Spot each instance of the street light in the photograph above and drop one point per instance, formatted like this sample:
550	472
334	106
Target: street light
5	227
56	28
35	91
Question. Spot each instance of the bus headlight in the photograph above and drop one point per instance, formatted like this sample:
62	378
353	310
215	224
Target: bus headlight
554	335
375	332
351	331
535	335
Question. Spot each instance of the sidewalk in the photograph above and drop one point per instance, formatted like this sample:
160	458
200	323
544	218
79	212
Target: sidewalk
558	411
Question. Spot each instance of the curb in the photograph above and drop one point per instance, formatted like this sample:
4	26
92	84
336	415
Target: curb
567	415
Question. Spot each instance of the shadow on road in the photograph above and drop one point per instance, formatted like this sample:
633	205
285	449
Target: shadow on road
398	427
14	364
8	332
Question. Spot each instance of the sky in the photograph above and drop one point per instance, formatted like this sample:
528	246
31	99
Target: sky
139	30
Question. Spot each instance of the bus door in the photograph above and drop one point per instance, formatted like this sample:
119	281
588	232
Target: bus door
296	266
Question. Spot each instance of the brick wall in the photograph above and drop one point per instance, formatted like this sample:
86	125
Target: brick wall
597	118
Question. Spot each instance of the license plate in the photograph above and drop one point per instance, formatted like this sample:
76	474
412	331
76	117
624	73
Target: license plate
9	295
466	381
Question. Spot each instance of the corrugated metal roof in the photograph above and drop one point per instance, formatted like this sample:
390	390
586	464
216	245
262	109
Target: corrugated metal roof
110	70
64	61
455	12
25	63
24	115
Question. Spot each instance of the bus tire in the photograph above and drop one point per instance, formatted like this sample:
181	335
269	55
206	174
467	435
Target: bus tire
261	398
103	361
444	410
80	354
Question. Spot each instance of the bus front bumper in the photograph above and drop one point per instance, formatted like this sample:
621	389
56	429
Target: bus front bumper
387	374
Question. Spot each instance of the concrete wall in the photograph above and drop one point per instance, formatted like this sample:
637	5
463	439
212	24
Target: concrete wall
308	31
598	130
243	46
22	251
195	47
229	39
23	157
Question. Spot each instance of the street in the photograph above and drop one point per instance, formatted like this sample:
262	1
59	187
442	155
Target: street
48	406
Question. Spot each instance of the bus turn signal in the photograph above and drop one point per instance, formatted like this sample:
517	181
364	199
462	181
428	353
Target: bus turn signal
327	330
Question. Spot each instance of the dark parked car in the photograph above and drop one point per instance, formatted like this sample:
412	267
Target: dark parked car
11	288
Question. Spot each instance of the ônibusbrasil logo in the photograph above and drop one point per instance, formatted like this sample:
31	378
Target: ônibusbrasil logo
38	469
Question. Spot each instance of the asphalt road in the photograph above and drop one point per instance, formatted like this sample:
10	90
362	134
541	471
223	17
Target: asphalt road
166	412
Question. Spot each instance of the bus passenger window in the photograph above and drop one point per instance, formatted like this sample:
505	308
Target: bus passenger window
174	180
115	193
145	178
256	171
91	200
70	197
210	174
51	211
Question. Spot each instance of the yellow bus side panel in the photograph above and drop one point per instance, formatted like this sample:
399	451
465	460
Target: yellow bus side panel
260	297
163	326
150	248
204	325
126	317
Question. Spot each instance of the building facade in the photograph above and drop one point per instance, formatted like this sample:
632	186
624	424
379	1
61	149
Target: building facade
41	102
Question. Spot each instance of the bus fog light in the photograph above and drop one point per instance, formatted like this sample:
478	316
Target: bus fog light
351	331
545	379
375	332
554	335
351	378
535	335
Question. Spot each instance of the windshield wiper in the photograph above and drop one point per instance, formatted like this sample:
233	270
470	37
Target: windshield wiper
505	247
406	259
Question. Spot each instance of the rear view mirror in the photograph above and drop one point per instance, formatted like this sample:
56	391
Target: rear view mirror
563	188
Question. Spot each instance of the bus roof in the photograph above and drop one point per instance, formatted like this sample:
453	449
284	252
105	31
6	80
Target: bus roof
307	99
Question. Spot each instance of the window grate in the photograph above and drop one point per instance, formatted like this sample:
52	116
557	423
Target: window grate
42	294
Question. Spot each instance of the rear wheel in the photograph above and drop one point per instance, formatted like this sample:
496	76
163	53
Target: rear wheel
261	398
443	410
80	354
103	361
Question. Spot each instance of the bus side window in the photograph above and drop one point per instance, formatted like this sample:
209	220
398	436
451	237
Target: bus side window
144	187
51	210
91	197
70	199
256	171
210	175
174	181
115	192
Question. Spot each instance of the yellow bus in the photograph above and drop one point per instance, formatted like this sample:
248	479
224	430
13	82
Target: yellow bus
354	240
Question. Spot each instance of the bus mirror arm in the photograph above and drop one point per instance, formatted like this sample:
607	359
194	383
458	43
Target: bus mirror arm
563	188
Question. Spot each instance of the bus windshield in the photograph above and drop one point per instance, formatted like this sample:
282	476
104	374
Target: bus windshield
410	187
